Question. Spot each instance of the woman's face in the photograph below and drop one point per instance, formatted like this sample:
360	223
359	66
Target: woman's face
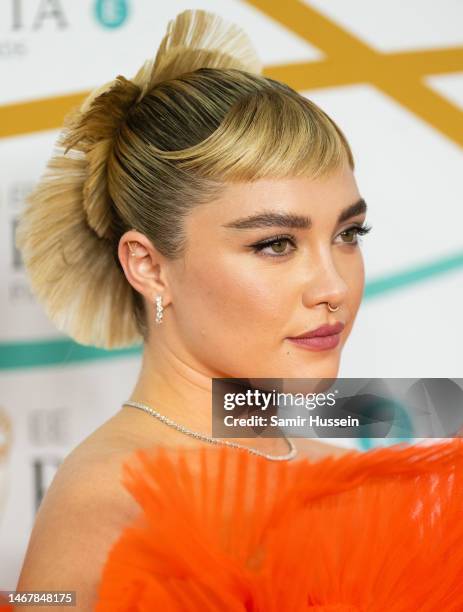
234	305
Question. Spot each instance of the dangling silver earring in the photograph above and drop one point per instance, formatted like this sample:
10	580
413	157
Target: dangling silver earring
159	309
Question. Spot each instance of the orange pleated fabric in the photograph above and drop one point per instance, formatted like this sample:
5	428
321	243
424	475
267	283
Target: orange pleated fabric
224	530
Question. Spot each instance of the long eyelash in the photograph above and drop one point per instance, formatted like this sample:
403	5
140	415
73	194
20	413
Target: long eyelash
261	245
361	231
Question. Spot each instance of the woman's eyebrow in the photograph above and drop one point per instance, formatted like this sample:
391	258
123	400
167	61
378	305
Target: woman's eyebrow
280	219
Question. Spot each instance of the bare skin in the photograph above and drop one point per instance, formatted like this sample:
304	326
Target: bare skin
228	311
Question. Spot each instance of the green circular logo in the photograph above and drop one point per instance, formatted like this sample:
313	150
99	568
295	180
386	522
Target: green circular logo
111	13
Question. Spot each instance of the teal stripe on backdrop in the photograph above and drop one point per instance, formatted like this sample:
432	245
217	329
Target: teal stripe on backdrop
64	351
413	275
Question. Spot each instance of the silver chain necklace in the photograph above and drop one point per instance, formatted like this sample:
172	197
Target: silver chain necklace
195	434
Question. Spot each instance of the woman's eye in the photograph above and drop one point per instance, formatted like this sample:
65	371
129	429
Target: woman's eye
353	232
276	247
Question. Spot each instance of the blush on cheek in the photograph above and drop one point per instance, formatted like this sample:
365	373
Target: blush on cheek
231	295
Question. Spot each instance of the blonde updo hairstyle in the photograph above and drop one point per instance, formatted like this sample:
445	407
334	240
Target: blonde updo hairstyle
141	153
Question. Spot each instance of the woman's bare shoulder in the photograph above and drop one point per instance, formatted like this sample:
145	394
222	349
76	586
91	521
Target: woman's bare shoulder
95	466
83	512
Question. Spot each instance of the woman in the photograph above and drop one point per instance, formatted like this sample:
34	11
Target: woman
214	214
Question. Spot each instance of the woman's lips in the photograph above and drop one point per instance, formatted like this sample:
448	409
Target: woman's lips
317	343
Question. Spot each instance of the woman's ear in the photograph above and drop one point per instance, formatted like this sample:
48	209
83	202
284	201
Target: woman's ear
143	265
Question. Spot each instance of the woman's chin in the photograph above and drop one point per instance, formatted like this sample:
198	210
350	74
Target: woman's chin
325	370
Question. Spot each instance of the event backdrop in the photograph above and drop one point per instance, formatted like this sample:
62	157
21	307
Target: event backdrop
390	73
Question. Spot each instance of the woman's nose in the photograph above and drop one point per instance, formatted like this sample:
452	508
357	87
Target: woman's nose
325	283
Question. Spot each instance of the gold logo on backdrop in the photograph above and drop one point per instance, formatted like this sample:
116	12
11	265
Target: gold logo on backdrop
348	60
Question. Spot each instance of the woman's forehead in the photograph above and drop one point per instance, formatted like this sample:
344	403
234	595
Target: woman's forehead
286	202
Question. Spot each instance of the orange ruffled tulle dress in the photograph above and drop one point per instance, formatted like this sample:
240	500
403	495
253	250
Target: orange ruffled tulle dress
224	530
